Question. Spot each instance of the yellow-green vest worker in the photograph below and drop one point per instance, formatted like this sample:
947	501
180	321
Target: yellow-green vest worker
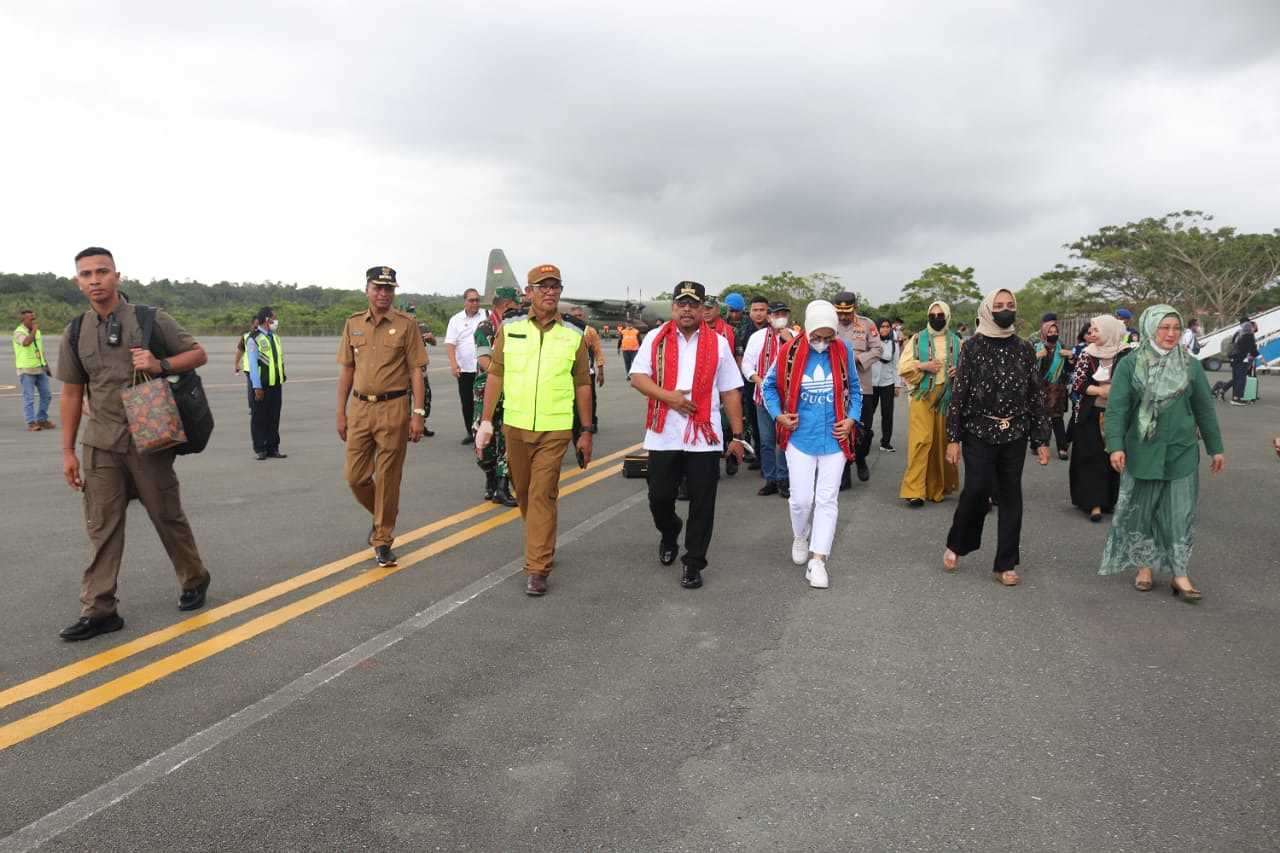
537	383
270	358
30	357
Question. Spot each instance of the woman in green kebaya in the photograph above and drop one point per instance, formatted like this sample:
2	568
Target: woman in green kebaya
1159	399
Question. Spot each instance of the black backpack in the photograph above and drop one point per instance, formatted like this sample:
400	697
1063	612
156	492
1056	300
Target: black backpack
188	390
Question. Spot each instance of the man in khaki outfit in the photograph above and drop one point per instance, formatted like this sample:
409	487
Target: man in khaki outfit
539	368
108	354
382	357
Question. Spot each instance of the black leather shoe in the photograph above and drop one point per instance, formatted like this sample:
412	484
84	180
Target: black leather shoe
86	627
385	556
276	454
470	439
193	599
784	490
915	503
667	552
261	456
864	473
769	488
502	493
428	432
691	578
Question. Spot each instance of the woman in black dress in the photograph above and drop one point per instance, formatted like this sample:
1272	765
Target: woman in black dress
997	409
1095	485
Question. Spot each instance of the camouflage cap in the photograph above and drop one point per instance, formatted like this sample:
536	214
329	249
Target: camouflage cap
505	293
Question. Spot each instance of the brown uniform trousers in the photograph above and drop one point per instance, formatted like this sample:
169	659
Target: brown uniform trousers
534	459
377	438
111	480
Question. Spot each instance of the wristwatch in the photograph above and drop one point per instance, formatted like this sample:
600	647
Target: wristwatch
164	367
422	413
591	428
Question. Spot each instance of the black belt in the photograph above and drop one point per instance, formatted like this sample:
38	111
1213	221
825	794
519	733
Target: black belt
378	398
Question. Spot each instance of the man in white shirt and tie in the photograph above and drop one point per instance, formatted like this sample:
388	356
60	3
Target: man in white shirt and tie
688	372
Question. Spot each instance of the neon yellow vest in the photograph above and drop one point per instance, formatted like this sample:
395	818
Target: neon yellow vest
537	375
29	356
271	359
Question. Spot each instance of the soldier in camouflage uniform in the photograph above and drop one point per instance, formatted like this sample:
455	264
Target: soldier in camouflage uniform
493	459
428	340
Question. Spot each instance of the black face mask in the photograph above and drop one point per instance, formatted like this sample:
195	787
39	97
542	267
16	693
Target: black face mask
937	323
1053	339
1004	319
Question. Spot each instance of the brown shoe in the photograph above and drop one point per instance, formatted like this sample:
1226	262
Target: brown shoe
537	585
33	427
47	425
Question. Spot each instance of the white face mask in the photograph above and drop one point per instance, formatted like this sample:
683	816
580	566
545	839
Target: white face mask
820	345
273	325
779	323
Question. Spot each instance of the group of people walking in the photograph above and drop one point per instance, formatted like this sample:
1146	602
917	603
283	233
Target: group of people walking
804	395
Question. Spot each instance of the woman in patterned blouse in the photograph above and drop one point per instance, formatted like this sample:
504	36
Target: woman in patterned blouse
997	407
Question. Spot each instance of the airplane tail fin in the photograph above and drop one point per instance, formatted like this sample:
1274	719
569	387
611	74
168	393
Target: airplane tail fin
498	275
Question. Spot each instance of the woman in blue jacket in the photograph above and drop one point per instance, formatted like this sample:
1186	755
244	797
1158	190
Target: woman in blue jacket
815	401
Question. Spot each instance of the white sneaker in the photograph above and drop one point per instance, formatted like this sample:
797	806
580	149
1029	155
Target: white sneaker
816	574
800	550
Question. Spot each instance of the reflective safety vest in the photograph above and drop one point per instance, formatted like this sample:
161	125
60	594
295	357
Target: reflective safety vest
270	358
630	340
30	356
537	375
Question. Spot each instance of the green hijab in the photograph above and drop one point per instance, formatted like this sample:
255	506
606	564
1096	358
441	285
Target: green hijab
1161	377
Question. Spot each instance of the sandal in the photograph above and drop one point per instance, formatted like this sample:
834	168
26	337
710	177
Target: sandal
1008	578
1142	584
1189	593
949	560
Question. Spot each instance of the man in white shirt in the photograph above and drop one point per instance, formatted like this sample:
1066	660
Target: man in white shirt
1190	338
460	343
762	348
688	372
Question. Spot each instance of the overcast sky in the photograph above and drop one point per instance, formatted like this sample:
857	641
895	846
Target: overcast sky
633	144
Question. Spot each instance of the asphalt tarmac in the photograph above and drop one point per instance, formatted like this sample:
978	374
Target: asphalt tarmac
320	703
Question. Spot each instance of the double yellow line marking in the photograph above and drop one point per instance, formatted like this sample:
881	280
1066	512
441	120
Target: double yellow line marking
43	720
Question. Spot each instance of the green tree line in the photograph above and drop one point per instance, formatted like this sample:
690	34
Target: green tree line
224	308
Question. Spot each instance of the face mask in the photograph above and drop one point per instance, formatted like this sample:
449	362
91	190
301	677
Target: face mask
273	325
779	323
820	345
1004	319
937	323
1053	339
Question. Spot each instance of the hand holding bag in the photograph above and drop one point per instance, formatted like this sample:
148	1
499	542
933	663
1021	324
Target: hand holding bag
154	422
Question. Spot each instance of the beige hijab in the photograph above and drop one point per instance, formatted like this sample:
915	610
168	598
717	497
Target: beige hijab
986	322
1111	335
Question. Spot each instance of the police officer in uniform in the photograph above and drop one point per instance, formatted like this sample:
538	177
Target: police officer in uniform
382	357
862	338
539	369
493	458
108	355
263	366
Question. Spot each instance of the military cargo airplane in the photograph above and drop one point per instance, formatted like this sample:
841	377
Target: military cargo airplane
600	312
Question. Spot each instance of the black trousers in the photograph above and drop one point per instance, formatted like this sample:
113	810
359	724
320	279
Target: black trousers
701	472
990	470
1060	434
595	420
466	393
1239	373
264	418
881	397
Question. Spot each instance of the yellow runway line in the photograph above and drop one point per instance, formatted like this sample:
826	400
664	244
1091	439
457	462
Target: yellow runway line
43	720
72	671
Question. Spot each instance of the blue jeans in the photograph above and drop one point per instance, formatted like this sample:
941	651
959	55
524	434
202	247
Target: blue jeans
773	464
30	385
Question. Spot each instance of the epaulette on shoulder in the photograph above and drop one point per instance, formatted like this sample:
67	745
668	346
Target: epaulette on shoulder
356	314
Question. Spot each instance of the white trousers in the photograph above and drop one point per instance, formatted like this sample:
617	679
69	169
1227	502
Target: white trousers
815	487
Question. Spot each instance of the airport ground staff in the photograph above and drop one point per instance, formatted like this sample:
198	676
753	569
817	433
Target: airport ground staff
263	366
33	371
493	458
539	369
688	372
628	344
108	355
382	357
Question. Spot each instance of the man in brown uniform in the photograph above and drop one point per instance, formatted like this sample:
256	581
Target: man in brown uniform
861	336
543	388
108	354
382	357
